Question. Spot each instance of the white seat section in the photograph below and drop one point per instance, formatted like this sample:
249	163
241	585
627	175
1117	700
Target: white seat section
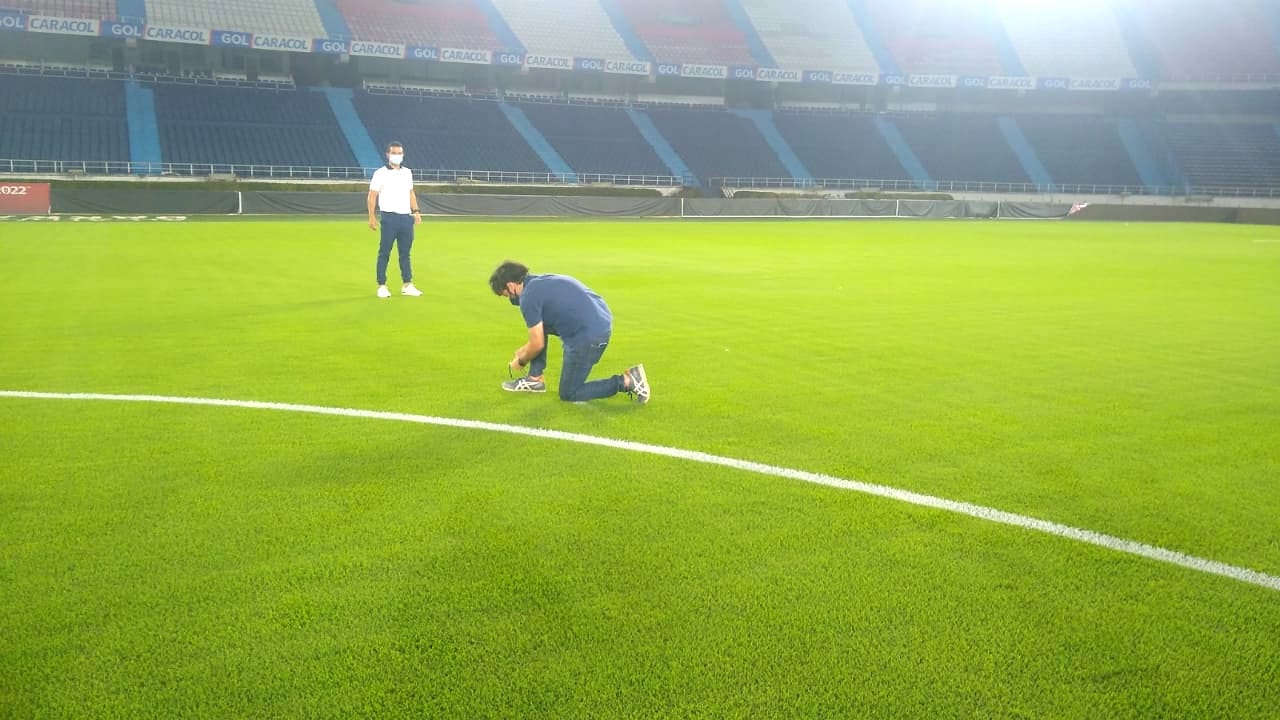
1079	39
281	17
95	9
578	28
811	34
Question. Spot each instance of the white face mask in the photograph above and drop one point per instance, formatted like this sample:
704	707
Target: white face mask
396	159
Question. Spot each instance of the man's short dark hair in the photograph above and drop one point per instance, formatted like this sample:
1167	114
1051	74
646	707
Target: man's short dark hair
394	143
509	271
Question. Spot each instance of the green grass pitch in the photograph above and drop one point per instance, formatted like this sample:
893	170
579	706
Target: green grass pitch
179	561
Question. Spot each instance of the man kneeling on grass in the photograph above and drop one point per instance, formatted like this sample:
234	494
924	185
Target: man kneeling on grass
561	305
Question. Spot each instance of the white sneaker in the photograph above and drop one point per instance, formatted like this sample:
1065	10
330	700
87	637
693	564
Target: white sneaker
383	292
411	291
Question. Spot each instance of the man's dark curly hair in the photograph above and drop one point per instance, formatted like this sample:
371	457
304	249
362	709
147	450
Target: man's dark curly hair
508	271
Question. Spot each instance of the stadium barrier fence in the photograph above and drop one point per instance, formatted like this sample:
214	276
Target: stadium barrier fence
300	172
731	185
77	201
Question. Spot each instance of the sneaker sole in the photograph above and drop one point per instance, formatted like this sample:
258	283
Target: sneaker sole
528	390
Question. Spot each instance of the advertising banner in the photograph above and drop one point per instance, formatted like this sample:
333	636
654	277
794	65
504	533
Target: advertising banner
283	43
63	26
366	48
463	55
22	198
167	33
13	21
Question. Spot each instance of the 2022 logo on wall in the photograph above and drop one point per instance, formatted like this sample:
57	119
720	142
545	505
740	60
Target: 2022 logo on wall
24	198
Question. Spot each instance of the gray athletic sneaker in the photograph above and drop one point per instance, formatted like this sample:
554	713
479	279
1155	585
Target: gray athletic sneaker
639	390
524	384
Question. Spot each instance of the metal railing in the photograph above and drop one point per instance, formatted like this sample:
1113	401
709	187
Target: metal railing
846	184
302	172
103	73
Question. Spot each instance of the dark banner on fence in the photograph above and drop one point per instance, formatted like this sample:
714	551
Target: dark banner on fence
788	207
353	203
303	203
156	202
1034	210
127	201
1166	213
834	208
550	206
932	208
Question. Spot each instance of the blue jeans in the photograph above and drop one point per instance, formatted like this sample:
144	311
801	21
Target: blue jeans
579	358
397	230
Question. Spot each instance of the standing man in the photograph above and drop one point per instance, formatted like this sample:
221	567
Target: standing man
391	192
561	305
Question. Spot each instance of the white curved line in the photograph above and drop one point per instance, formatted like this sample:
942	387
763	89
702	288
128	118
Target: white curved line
1110	542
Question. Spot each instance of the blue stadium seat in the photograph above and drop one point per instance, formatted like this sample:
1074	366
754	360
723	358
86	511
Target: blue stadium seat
595	139
1079	149
840	145
716	143
961	147
45	118
1227	155
249	127
447	134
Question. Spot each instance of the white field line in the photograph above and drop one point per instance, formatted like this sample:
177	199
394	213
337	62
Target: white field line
1110	542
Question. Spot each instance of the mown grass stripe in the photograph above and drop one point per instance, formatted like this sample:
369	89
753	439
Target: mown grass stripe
1110	542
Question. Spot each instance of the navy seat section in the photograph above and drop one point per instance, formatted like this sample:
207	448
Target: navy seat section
716	143
840	145
1080	150
595	139
448	134
52	118
958	147
244	126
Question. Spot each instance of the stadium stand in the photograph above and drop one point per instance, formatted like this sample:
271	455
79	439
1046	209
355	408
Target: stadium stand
297	18
448	134
839	145
1145	140
436	23
1219	102
595	139
1080	150
813	35
579	28
1220	136
961	147
46	118
717	143
688	31
248	127
1227	155
96	9
1080	39
1232	41
952	37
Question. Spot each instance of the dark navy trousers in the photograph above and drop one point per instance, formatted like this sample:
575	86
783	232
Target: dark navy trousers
397	230
579	358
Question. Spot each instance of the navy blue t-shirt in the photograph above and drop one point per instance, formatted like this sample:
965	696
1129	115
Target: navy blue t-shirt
565	307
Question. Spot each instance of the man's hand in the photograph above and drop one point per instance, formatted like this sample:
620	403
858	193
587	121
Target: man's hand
417	218
515	363
373	223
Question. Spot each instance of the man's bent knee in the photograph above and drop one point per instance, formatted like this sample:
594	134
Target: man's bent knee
568	394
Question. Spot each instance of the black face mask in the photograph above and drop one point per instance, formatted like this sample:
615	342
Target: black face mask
515	300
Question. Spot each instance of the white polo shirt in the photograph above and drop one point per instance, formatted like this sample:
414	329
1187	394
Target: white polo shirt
393	188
